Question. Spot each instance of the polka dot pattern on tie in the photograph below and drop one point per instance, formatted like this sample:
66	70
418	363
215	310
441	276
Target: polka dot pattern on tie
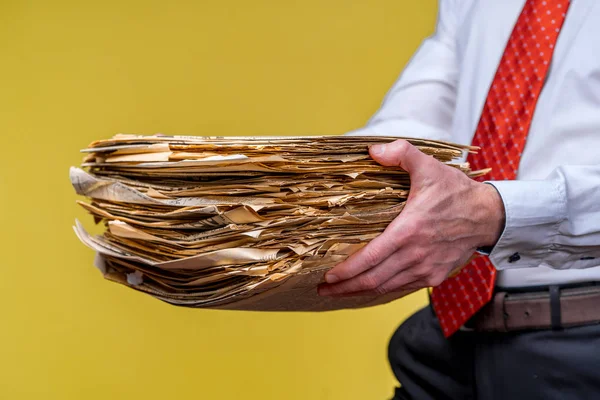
501	134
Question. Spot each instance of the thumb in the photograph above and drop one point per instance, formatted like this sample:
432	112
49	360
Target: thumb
400	153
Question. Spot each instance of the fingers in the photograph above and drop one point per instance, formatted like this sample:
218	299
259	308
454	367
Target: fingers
368	257
399	153
368	280
404	270
403	281
369	269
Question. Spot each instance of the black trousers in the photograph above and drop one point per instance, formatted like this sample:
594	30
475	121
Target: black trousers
561	364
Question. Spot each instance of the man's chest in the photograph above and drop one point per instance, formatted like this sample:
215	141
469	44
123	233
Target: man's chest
486	25
571	95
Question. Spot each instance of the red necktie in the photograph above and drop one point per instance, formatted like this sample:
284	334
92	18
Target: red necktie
501	134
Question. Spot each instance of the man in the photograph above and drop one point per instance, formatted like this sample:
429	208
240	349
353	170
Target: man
521	79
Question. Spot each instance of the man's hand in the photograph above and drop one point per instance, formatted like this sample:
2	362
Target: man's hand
446	218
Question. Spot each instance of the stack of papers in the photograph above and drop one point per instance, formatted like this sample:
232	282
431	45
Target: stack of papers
240	222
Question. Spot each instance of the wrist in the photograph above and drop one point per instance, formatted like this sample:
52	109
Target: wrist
492	216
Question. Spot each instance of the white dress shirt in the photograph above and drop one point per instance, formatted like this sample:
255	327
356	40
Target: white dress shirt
553	208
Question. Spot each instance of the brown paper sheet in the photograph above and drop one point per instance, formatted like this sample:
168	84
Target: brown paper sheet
240	223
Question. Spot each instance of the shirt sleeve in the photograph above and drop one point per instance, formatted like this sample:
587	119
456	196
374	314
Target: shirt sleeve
422	101
555	222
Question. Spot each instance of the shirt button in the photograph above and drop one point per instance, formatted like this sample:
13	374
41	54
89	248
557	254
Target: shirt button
514	258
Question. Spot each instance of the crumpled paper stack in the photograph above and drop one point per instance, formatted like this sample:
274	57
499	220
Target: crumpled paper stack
247	223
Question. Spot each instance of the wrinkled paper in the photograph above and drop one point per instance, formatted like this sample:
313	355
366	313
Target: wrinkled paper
244	223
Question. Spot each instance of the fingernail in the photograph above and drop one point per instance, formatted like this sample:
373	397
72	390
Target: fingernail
331	278
378	149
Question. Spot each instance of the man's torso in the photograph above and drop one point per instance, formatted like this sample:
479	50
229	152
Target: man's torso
566	125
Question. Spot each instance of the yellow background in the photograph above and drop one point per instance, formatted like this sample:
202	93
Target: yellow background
75	71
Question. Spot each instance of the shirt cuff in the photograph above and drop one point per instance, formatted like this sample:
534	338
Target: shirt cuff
534	211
